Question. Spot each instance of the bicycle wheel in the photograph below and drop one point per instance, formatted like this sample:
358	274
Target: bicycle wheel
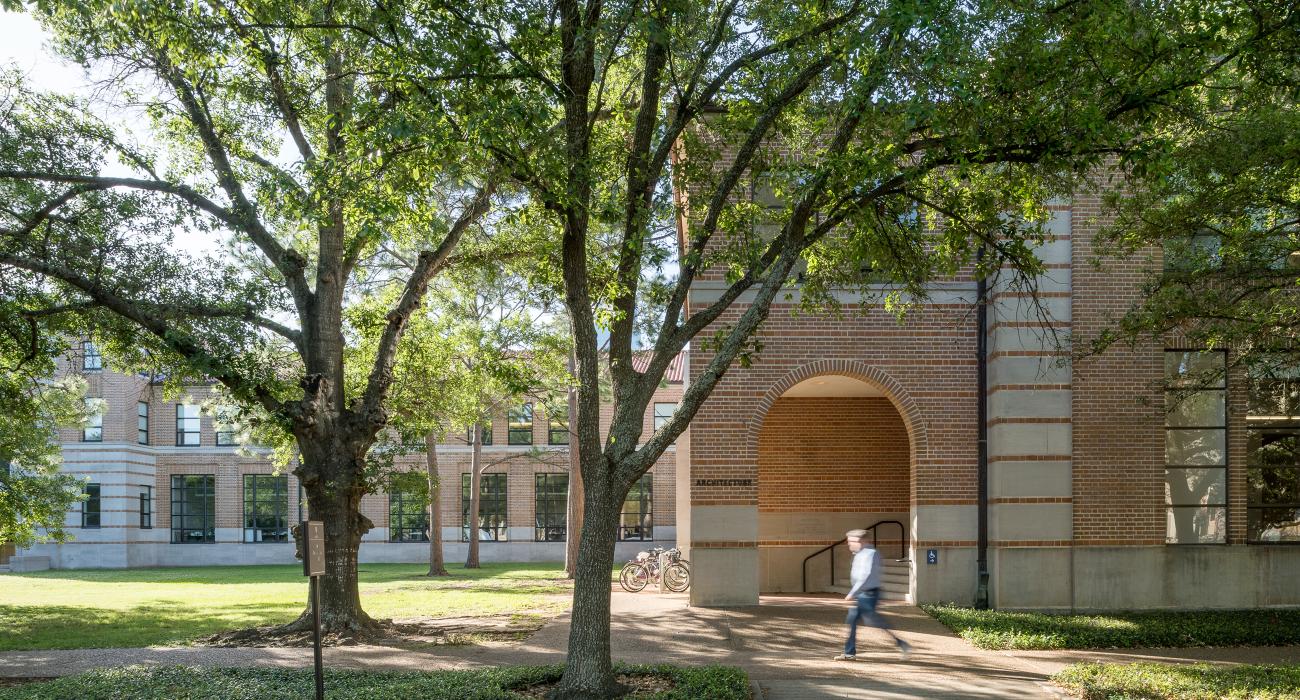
677	578
633	577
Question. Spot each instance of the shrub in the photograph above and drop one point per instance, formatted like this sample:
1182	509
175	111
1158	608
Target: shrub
1180	681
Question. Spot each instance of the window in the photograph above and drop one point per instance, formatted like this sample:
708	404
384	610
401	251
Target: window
1187	253
1273	455
663	412
187	425
266	508
90	506
520	431
142	422
1195	447
225	420
636	520
194	503
94	429
557	424
91	360
146	508
408	496
491	508
485	436
552	503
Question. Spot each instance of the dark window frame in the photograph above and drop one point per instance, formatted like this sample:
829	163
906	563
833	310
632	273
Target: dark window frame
1279	425
204	487
492	490
1210	510
92	360
660	420
142	422
182	426
94	429
516	416
278	499
485	438
91	507
146	508
557	431
550	506
408	517
642	494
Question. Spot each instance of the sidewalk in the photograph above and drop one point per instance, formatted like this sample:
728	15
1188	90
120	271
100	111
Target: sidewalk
785	644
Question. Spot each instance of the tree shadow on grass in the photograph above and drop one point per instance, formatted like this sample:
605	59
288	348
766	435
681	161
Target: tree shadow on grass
153	624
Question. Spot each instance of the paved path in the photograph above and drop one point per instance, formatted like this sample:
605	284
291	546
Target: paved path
785	644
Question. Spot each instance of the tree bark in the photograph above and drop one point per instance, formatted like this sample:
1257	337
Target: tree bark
436	565
573	506
475	487
589	674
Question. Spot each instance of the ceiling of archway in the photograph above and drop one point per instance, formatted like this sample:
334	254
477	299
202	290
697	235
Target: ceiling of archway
831	385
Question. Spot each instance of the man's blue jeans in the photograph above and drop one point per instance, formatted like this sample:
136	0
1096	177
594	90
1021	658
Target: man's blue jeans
864	611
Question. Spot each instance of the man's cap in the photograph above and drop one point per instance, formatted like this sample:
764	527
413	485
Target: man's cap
855	534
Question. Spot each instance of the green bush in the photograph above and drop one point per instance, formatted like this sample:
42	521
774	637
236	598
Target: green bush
1151	681
194	683
995	629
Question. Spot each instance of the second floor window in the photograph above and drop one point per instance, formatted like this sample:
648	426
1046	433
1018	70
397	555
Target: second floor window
142	422
94	430
491	508
664	412
408	498
225	420
146	508
521	425
194	505
485	436
187	425
91	360
90	507
266	508
637	519
557	424
552	503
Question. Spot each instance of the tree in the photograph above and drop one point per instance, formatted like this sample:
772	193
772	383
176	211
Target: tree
891	135
301	150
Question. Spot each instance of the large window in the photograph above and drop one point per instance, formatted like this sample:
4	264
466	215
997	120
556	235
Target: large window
491	508
1273	455
408	496
142	422
636	520
90	506
187	425
557	424
485	435
94	428
552	502
520	429
266	508
663	413
1196	455
91	360
194	504
146	508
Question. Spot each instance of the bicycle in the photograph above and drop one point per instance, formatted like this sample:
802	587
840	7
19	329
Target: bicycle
644	569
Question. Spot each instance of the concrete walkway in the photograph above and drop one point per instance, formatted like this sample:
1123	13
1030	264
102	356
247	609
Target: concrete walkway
785	644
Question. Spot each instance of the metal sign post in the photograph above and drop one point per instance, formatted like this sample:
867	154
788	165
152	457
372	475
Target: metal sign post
313	565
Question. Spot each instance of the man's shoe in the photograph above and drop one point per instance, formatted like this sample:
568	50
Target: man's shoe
904	650
846	657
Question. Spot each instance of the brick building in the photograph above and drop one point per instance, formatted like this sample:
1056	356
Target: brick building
168	486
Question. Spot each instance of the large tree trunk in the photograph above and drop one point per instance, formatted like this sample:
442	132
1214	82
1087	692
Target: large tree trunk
436	565
475	487
573	505
589	673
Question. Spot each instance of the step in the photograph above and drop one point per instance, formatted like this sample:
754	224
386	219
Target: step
886	592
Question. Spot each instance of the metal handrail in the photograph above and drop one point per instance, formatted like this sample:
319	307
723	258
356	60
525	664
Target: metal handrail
902	548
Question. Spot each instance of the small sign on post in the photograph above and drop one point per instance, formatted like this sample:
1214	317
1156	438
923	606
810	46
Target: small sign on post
313	565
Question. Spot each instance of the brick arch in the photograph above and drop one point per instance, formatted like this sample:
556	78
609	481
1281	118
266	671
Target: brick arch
892	389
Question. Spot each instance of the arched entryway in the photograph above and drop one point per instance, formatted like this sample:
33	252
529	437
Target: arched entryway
834	453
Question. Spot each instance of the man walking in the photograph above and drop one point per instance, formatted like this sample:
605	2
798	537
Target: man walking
865	591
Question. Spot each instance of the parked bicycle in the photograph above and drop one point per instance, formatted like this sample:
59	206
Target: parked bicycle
644	569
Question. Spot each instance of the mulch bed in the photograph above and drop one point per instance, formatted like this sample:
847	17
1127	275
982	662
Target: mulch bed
636	684
406	632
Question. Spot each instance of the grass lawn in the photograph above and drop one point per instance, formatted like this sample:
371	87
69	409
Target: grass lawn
995	629
143	607
181	683
1151	681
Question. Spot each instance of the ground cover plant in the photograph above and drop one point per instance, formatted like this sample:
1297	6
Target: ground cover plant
1182	681
143	607
509	683
996	629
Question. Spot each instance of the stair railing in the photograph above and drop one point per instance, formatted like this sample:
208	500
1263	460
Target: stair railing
873	529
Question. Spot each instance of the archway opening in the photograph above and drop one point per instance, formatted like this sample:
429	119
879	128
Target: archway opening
833	455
